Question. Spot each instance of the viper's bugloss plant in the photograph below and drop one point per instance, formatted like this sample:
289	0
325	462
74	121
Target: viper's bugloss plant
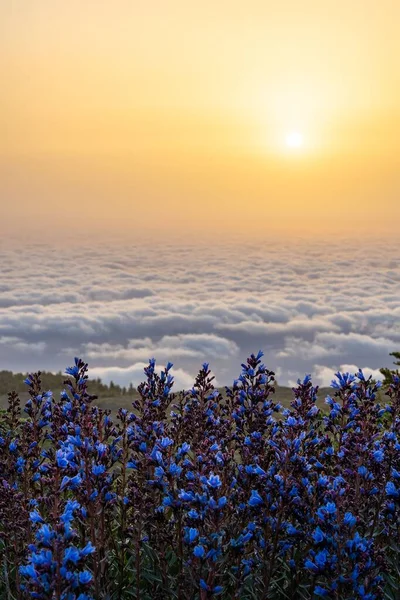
199	495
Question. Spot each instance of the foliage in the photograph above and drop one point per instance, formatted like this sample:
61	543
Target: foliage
15	381
388	373
192	496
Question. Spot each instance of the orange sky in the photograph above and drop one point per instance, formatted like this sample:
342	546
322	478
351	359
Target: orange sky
172	115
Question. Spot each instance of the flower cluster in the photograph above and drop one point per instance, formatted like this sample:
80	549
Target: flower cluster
56	567
201	494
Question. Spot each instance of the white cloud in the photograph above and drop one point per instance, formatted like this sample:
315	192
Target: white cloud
201	346
323	375
134	374
21	345
376	374
303	304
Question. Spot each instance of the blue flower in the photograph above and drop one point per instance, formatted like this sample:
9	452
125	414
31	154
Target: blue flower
159	472
255	499
29	571
175	470
85	577
214	481
310	566
72	371
222	502
321	558
218	589
45	535
328	509
320	591
101	449
88	549
391	490
192	534
322	481
395	474
13	446
166	441
259	471
186	496
203	585
184	449
378	455
349	519
157	456
62	462
35	517
318	535
199	551
72	482
98	470
72	554
292	530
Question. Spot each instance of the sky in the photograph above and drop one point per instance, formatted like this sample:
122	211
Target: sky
147	115
197	181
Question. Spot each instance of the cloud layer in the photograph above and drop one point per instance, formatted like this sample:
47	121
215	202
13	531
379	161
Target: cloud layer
311	307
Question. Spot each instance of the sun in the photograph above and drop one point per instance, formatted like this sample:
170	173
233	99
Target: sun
294	139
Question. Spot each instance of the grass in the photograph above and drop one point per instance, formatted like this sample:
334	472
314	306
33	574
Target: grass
283	395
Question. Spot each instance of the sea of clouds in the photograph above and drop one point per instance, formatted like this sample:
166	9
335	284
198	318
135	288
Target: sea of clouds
312	307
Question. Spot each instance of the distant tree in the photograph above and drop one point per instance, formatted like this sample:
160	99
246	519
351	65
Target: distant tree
387	373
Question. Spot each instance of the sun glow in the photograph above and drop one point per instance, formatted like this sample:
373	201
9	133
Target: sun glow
294	139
